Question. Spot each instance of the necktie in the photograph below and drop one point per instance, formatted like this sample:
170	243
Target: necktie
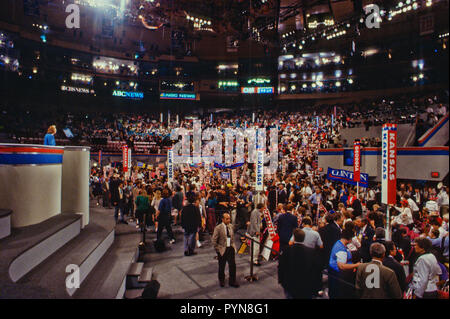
228	232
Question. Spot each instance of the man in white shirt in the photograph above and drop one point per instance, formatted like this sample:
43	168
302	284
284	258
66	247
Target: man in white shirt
412	204
306	191
442	198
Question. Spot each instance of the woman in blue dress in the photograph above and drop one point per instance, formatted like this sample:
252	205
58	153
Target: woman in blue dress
49	138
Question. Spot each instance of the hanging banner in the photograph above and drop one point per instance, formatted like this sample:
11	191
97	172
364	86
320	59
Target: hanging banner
100	158
389	164
344	176
125	158
170	165
259	170
222	166
129	158
356	161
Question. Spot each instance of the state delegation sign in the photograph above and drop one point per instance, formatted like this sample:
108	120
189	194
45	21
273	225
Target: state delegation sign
389	164
357	161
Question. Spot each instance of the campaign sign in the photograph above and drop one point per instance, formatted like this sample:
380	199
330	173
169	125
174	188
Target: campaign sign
129	158
225	175
356	161
125	158
259	170
389	164
170	165
344	176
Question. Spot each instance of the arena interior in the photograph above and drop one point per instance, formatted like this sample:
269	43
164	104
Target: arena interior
224	149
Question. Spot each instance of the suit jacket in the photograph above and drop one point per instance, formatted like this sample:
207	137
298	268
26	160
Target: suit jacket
219	238
366	241
255	223
357	208
272	198
286	224
388	288
190	218
114	189
398	269
296	264
418	199
282	197
330	235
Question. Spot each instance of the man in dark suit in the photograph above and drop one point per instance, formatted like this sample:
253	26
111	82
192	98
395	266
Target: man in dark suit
376	281
390	262
118	199
191	221
357	207
272	199
223	243
296	263
282	195
366	234
106	193
330	234
286	224
417	197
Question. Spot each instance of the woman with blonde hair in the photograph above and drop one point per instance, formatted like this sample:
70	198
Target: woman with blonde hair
155	203
49	138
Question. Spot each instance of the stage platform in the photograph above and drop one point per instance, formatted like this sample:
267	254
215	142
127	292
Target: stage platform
33	259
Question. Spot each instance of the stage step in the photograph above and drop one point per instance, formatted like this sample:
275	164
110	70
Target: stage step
27	247
135	269
85	252
146	275
133	293
107	280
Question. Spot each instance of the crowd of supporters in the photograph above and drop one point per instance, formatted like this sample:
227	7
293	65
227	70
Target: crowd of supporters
344	228
88	129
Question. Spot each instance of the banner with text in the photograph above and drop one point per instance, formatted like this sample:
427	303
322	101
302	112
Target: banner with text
344	176
259	171
389	164
125	158
170	165
357	161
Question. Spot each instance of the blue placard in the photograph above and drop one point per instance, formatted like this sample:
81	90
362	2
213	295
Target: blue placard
341	175
225	175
